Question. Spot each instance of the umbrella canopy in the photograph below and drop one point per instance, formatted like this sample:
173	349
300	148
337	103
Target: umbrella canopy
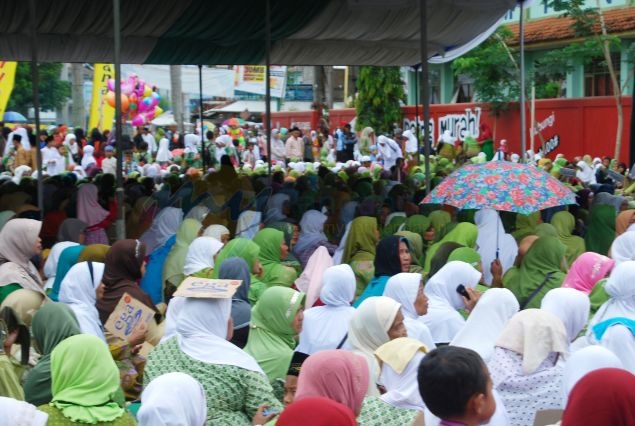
501	185
234	122
13	117
165	119
319	32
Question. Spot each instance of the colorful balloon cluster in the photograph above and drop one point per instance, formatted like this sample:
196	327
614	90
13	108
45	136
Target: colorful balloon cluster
139	101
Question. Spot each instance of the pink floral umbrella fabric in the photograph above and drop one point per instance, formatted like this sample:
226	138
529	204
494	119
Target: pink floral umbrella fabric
501	185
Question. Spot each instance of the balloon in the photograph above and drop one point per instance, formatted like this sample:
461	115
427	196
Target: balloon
127	88
133	98
133	106
110	98
154	102
148	101
125	103
138	120
142	106
149	115
133	114
111	84
142	83
147	91
158	111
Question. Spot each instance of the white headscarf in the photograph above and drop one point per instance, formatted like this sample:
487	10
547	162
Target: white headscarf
583	362
622	291
78	292
443	319
310	280
174	399
191	142
50	266
368	330
171	317
486	322
324	327
198	212
26	144
88	158
200	254
411	143
571	306
164	225
620	340
20	413
493	240
389	151
216	231
400	359
248	224
19	172
72	148
202	334
404	288
164	154
623	248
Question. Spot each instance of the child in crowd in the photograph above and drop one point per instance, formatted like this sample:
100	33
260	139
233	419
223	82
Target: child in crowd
455	385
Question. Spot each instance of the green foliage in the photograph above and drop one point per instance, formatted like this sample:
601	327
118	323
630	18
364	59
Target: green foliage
493	68
53	92
380	93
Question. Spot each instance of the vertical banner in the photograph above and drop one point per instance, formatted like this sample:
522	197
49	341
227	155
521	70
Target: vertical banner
101	114
7	78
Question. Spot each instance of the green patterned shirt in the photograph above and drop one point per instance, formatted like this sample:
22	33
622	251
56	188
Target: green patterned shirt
376	412
233	393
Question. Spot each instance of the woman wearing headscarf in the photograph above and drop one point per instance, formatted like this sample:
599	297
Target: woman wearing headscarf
486	322
393	256
571	306
249	252
72	230
601	228
275	322
173	399
493	243
326	327
331	413
234	383
291	233
163	227
93	214
526	225
407	289
20	412
236	268
616	335
199	261
441	222
273	250
524	367
545	230
310	280
84	381
173	267
88	159
360	249
19	242
311	236
376	321
94	253
278	208
564	222
124	267
539	272
219	232
53	323
604	396
443	318
248	224
52	260
623	222
415	244
622	295
587	274
463	233
78	292
388	151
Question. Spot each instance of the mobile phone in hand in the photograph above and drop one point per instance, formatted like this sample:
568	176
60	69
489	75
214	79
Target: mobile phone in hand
462	291
269	411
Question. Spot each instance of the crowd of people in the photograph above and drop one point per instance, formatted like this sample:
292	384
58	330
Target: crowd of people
358	304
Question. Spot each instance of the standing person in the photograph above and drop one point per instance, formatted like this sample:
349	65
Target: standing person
350	140
388	151
294	146
277	147
91	212
149	139
51	158
307	139
109	164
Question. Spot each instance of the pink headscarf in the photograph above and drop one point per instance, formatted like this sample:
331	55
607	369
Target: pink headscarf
88	208
335	374
587	270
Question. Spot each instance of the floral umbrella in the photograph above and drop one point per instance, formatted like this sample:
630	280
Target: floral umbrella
501	185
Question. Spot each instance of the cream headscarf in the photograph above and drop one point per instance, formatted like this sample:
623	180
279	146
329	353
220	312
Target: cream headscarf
17	246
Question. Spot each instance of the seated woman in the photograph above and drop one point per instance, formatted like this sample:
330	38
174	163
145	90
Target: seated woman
236	268
19	242
12	331
234	384
276	320
173	267
525	369
359	250
249	252
84	382
393	256
273	250
311	236
199	261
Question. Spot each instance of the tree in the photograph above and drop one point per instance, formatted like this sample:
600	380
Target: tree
380	93
53	92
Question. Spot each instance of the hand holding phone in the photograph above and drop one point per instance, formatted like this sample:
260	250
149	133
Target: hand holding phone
462	291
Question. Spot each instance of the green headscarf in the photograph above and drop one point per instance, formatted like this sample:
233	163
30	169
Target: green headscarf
526	225
601	228
288	231
467	255
463	233
85	380
564	222
393	226
418	223
545	230
269	240
53	323
543	257
249	252
271	335
439	219
362	240
173	267
416	246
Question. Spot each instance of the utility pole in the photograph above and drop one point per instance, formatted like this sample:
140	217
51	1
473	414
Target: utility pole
176	93
78	113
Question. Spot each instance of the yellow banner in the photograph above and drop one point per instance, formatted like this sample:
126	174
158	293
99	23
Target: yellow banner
101	114
7	78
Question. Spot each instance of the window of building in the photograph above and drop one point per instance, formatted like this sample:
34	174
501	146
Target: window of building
597	80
